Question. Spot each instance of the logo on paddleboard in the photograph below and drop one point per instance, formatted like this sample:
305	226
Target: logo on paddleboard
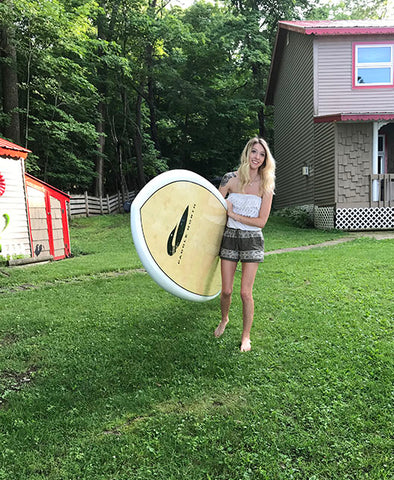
175	237
179	235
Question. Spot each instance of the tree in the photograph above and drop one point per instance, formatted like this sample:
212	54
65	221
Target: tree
9	76
354	9
206	106
57	100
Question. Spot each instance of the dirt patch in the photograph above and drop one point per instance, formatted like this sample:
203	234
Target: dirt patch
389	235
119	430
14	381
82	278
8	339
329	243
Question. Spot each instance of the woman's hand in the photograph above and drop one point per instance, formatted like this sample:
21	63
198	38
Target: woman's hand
229	208
259	221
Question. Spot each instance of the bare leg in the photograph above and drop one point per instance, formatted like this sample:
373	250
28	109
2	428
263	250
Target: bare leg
228	271
249	271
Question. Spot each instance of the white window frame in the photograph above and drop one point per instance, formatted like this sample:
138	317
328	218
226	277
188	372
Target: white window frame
370	65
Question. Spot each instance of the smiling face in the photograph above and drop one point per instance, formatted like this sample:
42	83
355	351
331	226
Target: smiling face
256	156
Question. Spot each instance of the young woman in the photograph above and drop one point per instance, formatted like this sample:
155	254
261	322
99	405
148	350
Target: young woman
249	193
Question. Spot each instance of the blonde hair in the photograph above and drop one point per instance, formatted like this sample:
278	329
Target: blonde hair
267	170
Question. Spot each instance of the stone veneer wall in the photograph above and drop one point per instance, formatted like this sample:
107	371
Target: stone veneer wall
354	164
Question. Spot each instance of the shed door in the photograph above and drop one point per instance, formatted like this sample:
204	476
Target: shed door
59	235
38	222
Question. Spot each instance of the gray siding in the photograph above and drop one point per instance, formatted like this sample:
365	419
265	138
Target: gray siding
354	164
333	82
324	164
294	122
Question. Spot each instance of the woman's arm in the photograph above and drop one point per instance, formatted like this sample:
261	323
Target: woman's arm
225	184
259	221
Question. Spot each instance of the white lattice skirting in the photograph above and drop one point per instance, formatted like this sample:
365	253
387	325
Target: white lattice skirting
324	218
364	218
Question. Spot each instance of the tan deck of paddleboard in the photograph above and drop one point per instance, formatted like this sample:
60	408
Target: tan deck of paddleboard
195	264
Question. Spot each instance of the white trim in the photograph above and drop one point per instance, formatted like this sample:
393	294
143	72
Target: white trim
375	183
316	78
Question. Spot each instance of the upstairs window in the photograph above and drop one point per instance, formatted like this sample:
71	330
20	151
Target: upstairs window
372	65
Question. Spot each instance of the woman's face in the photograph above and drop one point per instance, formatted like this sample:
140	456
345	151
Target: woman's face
256	156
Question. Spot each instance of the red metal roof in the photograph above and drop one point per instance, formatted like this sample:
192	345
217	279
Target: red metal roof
340	27
12	150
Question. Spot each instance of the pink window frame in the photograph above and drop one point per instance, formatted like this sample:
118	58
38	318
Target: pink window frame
357	87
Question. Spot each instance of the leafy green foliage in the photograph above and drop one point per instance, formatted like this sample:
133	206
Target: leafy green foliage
298	216
356	9
60	100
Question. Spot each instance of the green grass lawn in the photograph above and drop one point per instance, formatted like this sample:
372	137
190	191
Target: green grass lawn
103	375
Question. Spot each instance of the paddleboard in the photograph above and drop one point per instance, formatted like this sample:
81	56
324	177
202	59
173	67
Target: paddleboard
177	222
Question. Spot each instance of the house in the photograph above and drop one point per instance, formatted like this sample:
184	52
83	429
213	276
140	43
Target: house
332	87
33	214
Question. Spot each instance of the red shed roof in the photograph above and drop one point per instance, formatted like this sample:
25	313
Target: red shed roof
320	28
12	150
41	185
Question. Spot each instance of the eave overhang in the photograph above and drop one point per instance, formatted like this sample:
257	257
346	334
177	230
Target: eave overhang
354	117
10	149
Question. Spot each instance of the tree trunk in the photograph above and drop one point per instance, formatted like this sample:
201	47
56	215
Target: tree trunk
151	84
152	114
137	138
10	85
123	185
100	125
151	98
100	152
261	118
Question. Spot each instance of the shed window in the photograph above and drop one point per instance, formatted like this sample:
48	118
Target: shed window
373	65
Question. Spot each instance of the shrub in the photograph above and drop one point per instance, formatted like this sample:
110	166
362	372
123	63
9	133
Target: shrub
298	216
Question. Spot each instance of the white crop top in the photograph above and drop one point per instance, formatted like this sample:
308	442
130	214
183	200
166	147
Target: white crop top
247	205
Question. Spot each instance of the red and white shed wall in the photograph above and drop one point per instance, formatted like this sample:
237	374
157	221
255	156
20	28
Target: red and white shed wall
33	214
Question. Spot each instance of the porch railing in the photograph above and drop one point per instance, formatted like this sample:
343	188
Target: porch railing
382	190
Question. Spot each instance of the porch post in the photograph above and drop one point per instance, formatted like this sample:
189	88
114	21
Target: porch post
375	183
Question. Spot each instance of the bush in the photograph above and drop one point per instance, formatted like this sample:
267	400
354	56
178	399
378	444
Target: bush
298	216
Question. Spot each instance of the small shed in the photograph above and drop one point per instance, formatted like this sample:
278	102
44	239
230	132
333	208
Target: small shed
33	214
48	221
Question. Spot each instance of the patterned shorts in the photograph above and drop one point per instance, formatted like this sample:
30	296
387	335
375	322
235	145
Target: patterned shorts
242	245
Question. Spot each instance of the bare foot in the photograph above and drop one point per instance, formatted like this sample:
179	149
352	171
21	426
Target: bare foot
245	346
220	328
